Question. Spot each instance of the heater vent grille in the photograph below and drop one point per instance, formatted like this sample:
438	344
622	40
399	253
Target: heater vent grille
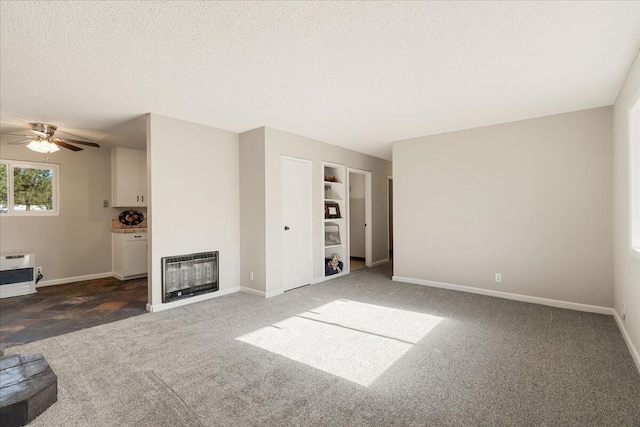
184	276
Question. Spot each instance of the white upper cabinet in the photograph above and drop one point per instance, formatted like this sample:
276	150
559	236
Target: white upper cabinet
128	177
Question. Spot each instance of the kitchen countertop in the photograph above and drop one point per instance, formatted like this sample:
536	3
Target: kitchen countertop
118	227
128	230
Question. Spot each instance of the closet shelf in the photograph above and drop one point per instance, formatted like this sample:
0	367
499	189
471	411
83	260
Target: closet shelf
332	246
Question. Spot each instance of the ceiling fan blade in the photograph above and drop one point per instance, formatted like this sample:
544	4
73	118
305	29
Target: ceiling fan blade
75	141
22	141
15	134
65	145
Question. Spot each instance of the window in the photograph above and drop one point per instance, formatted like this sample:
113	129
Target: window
634	178
28	188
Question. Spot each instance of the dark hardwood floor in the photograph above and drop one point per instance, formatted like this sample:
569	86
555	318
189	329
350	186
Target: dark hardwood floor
60	309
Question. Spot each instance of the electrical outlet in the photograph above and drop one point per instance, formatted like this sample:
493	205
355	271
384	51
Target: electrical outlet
105	203
251	275
498	277
38	270
624	310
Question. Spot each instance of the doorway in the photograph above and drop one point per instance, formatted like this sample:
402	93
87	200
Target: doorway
359	219
297	231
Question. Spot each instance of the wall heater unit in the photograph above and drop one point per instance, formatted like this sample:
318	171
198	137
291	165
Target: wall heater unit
17	275
185	276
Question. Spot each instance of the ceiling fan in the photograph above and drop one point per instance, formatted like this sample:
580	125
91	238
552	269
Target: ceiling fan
42	140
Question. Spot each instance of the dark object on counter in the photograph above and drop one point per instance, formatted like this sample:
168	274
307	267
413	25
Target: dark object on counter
131	217
27	389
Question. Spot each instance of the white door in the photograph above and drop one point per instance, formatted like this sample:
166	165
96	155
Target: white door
296	223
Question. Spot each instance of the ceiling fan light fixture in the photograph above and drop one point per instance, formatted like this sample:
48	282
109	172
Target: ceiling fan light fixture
42	146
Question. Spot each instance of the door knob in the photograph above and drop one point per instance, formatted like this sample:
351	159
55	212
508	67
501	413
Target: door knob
286	227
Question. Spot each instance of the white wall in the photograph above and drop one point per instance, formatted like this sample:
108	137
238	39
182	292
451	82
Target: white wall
356	215
78	241
280	143
194	197
531	200
252	210
626	267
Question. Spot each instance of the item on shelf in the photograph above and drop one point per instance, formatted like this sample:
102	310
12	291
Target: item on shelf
331	234
331	210
131	217
329	178
334	265
328	193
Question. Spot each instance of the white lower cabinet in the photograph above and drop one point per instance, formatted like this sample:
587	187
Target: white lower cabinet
129	255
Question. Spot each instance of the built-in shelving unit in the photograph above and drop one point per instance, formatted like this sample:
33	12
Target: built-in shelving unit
335	211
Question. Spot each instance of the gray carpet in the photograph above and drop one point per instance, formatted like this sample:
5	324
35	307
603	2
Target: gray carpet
358	350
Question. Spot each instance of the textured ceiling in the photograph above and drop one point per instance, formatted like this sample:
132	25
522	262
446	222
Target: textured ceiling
353	74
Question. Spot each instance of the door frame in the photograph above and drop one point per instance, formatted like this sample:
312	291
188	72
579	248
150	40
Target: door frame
389	224
368	216
282	224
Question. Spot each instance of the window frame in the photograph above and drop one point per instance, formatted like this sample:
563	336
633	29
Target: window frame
634	176
55	188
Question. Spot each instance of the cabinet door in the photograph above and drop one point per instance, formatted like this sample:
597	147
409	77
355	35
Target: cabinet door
128	171
136	257
142	170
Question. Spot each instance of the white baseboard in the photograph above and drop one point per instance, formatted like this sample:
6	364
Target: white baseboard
632	348
507	295
325	278
73	279
377	263
153	308
277	292
261	293
123	278
251	291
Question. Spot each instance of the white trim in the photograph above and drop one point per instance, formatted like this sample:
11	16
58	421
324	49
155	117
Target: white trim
246	290
507	295
368	214
153	308
64	280
389	225
274	293
55	187
632	349
325	278
123	278
377	263
633	173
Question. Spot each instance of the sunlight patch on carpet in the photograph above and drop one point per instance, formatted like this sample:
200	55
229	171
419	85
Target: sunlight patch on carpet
353	340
